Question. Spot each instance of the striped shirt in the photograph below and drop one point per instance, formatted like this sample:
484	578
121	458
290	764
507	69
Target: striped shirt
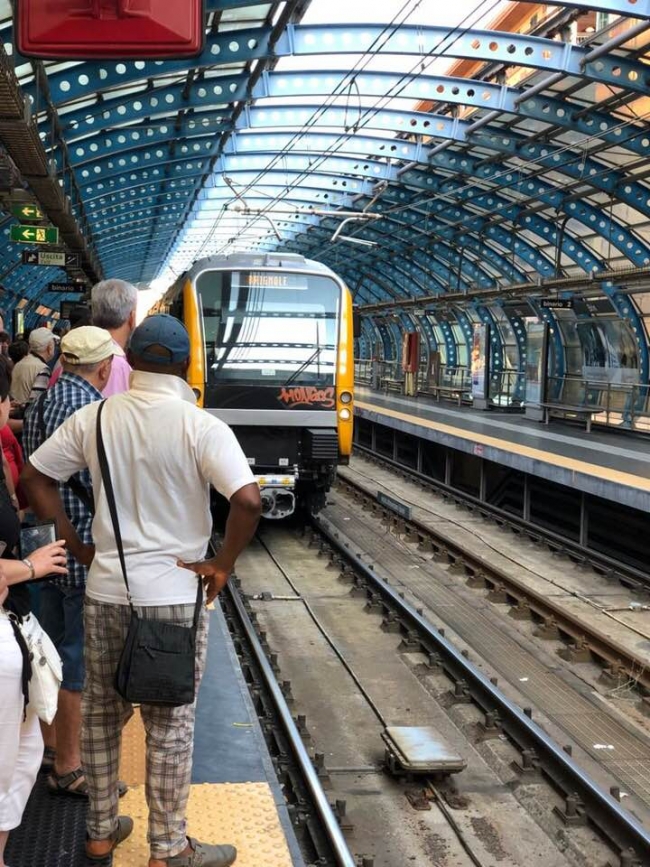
70	393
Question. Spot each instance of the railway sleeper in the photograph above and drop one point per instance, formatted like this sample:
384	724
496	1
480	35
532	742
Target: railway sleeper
391	623
410	641
614	675
490	728
528	764
521	610
548	629
579	651
497	593
457	564
321	770
572	813
460	693
359	587
303	730
339	808
476	580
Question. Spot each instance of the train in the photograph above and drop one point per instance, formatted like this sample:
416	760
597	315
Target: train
272	355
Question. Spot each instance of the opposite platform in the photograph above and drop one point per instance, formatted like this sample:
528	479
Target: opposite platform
604	464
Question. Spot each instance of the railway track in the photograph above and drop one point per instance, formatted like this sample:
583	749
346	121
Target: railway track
300	603
291	757
610	567
537	749
505	585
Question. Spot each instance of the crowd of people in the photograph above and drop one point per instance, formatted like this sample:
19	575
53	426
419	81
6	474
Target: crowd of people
163	453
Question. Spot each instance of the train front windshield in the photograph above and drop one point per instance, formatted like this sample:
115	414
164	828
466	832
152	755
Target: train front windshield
269	327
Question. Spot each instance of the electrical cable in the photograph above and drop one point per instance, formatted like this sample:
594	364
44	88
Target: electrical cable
433	54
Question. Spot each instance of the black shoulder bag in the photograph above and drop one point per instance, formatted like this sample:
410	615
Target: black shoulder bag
158	660
74	482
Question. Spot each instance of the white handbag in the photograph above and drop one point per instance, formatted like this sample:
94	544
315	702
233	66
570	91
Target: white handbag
47	672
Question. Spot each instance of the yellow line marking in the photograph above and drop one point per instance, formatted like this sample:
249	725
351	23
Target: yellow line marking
577	466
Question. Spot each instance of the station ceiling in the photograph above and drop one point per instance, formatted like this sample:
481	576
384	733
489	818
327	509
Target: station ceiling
351	144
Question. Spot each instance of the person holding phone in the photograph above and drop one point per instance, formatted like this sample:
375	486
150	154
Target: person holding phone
21	743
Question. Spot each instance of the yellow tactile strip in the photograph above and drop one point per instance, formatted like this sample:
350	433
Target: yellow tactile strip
133	756
242	814
577	466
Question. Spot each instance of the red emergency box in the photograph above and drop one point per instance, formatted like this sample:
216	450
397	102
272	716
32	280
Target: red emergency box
104	29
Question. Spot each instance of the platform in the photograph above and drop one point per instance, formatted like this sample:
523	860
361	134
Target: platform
608	465
235	797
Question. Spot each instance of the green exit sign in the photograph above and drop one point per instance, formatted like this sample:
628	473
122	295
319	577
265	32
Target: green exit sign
27	212
35	234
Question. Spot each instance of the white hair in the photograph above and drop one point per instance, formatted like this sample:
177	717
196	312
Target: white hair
112	302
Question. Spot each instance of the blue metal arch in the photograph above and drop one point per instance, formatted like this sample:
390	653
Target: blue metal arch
304	41
600	176
510	211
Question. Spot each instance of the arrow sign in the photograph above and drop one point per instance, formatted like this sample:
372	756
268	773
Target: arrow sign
50	259
27	212
35	234
65	287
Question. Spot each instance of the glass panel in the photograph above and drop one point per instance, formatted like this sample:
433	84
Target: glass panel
535	343
269	328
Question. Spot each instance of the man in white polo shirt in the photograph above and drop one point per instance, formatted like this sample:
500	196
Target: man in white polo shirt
163	453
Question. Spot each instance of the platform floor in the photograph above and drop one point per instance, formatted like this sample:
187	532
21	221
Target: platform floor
607	464
235	797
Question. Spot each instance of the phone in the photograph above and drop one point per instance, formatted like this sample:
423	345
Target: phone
36	536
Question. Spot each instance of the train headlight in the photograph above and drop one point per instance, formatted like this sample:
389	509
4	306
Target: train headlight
345	397
345	414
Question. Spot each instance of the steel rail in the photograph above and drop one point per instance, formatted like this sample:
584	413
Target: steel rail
330	825
604	647
602	562
605	812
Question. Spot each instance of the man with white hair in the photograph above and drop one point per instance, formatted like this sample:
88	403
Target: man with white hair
113	306
31	374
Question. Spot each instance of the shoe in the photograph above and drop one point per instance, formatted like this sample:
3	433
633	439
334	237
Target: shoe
204	855
123	830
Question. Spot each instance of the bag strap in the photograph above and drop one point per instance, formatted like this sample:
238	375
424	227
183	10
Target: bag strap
73	482
110	497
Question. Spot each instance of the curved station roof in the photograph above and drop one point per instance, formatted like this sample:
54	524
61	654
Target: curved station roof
419	159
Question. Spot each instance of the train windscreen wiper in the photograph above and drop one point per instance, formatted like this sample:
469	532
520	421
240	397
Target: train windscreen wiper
304	365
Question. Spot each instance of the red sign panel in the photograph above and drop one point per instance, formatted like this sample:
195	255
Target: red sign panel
103	29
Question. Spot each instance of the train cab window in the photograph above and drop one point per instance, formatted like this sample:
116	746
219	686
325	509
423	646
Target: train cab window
270	327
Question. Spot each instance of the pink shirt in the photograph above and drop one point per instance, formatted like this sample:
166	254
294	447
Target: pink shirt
56	373
118	381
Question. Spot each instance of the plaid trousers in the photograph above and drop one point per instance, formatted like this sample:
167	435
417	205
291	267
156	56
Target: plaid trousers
169	730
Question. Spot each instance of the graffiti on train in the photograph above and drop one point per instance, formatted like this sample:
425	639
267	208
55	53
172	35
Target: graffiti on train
307	395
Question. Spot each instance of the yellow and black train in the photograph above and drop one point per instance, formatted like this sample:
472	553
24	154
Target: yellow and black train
272	355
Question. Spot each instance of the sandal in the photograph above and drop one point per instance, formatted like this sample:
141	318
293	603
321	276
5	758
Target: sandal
63	784
123	830
47	762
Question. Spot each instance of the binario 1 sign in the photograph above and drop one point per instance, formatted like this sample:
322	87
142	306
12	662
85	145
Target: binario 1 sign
103	29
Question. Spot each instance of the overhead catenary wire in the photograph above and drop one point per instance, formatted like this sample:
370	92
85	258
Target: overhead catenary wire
406	206
459	30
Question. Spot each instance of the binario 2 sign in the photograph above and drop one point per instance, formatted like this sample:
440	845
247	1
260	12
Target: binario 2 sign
104	29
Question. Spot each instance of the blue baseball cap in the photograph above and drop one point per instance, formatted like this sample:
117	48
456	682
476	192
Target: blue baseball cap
161	330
